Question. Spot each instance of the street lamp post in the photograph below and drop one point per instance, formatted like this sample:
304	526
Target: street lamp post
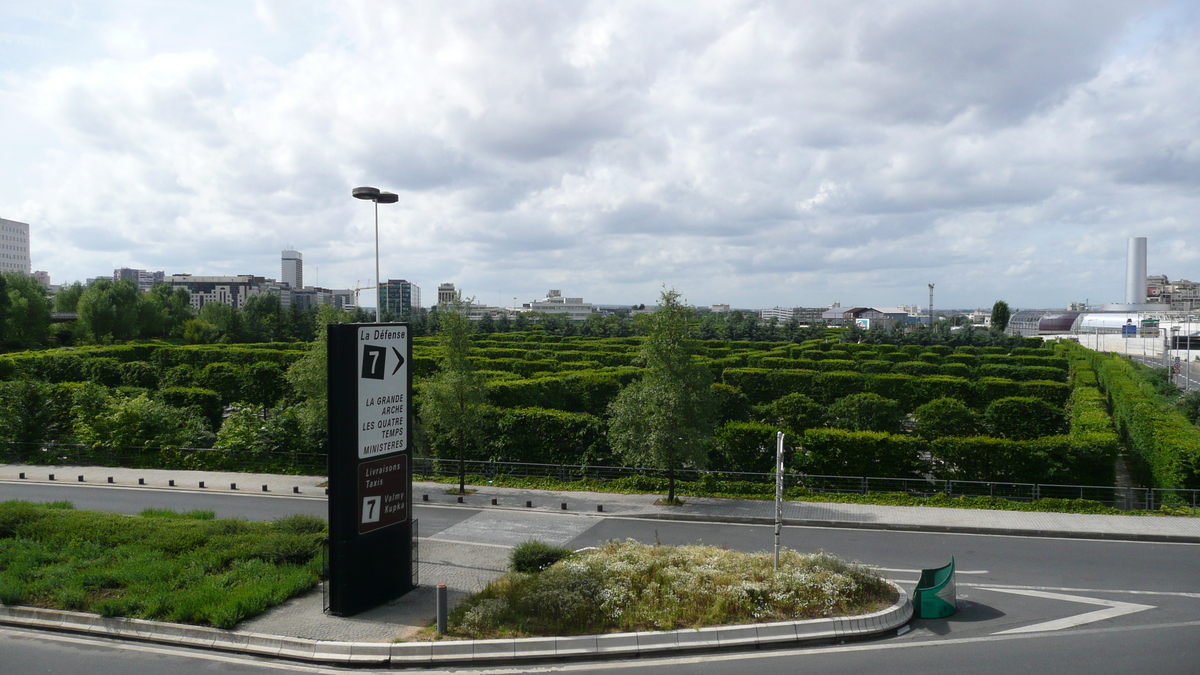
379	197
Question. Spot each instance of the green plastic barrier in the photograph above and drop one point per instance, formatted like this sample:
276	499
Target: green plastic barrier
935	597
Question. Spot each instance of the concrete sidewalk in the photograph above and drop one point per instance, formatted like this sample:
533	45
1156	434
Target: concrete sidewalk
470	553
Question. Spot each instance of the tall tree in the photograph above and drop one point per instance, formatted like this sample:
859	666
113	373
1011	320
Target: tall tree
67	298
4	303
666	418
108	310
452	400
308	378
28	312
1000	316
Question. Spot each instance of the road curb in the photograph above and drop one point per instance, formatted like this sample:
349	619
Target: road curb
464	652
912	527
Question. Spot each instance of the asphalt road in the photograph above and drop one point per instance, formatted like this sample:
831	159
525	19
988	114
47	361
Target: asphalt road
1188	379
1006	585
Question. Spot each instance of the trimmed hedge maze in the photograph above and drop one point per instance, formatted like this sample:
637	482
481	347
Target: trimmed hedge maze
1022	414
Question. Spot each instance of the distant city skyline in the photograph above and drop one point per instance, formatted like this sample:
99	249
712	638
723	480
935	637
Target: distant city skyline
755	153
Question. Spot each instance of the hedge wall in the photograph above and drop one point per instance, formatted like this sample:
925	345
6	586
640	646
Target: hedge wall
1163	443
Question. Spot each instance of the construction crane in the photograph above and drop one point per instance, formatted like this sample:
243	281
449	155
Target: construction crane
358	288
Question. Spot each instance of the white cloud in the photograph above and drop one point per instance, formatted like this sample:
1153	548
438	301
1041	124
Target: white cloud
756	153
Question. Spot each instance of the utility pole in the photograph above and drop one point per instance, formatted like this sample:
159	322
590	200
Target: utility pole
931	306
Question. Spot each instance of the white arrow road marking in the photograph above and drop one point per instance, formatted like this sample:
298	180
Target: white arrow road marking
1115	609
908	571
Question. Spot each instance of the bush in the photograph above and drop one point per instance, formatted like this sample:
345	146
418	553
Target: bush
988	459
829	387
732	404
839	452
1022	418
139	374
915	368
1054	393
985	390
865	412
206	402
794	413
533	556
932	387
946	417
897	387
543	435
744	446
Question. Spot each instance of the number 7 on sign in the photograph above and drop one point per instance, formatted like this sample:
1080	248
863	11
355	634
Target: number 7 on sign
370	511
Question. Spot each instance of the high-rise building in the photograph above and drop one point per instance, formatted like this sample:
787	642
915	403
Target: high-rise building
144	280
401	299
292	269
445	293
14	247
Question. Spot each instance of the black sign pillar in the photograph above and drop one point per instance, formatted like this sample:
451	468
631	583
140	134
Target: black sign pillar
370	465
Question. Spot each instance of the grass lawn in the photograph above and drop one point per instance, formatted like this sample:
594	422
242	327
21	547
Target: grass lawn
161	565
628	586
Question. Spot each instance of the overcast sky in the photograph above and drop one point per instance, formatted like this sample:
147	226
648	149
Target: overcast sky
750	153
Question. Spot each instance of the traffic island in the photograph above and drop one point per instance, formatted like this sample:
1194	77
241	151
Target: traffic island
475	652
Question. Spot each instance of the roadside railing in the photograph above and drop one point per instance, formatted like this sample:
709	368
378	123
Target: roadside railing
164	457
207	459
1125	498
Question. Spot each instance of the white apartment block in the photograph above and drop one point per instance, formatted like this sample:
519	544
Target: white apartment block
232	291
780	314
14	247
1180	294
554	303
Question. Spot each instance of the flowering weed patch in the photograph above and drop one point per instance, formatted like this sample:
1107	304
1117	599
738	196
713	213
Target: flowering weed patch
627	586
185	568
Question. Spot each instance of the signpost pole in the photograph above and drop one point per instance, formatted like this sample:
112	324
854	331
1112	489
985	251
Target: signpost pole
778	492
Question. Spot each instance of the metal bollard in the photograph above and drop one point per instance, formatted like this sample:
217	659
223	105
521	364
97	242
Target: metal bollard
21	475
564	506
295	490
529	505
110	479
599	508
233	486
51	476
81	479
141	481
171	483
443	608
424	498
265	489
201	483
494	501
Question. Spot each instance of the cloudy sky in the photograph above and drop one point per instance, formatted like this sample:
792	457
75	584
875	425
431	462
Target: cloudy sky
753	153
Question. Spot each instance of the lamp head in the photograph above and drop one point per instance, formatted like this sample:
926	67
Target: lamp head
387	198
366	193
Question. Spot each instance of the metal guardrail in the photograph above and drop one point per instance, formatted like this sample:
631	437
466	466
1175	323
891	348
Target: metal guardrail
1125	498
207	459
191	459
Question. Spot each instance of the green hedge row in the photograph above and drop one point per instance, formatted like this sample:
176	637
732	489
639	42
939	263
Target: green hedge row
762	385
1163	443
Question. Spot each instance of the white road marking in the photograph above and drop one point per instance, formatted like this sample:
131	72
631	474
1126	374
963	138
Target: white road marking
1115	609
439	540
907	571
1178	594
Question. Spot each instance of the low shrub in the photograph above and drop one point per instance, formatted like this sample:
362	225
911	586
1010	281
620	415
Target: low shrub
533	556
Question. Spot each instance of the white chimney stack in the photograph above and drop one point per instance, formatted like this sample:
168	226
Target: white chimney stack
1135	272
